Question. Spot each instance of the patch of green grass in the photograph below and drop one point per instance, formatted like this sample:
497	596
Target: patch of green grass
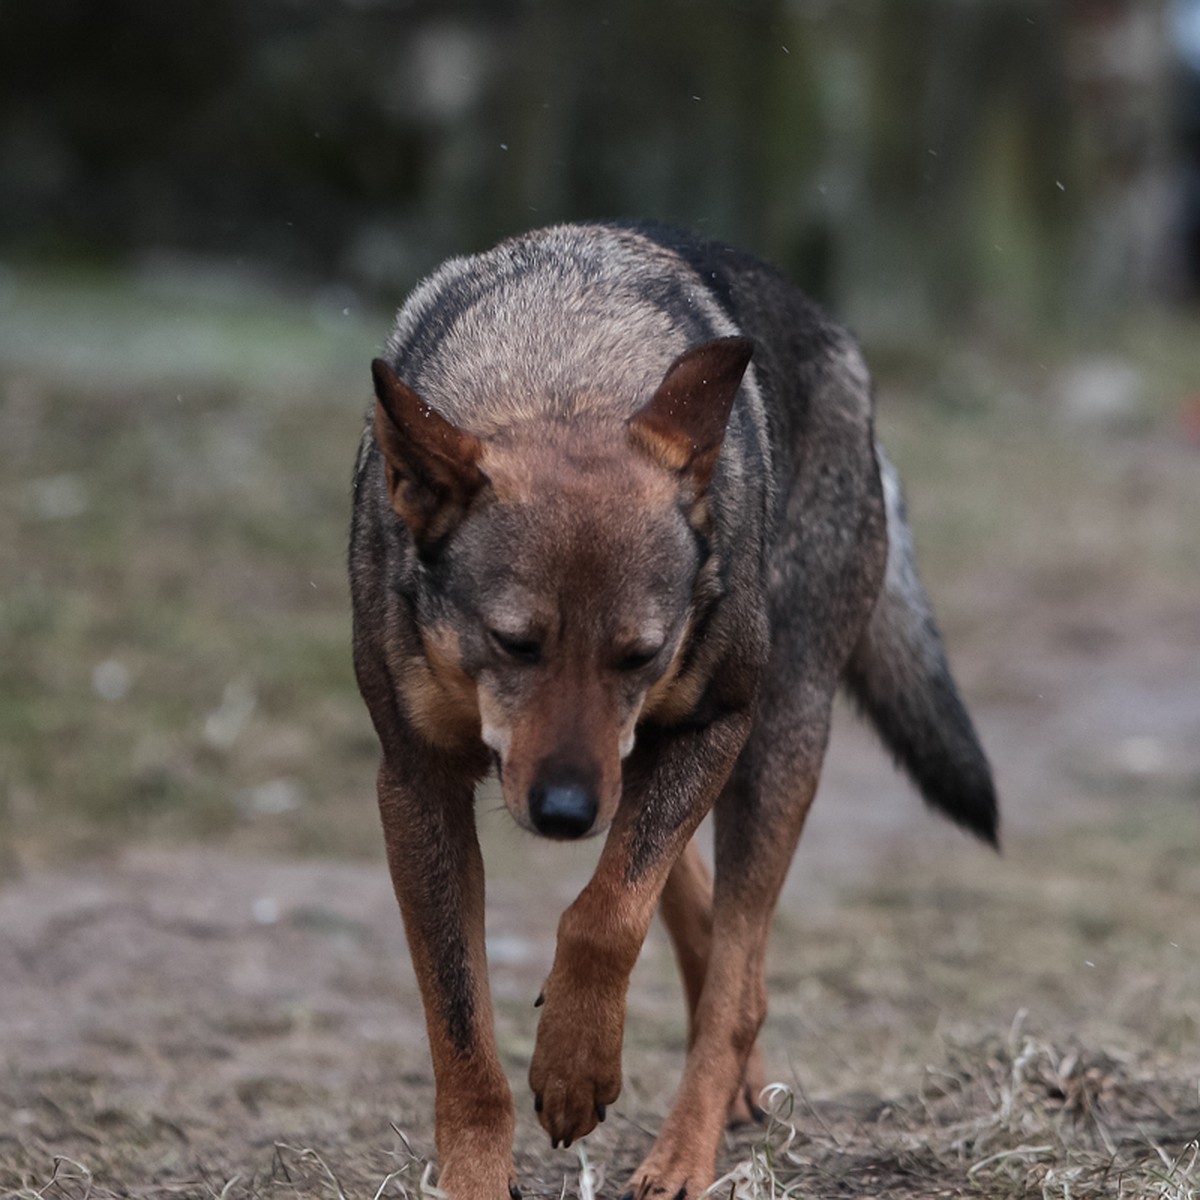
168	527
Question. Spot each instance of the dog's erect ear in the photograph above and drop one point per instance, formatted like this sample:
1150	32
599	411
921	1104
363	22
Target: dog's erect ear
431	465
683	424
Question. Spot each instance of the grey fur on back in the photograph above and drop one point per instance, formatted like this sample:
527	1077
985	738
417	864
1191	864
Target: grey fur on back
586	316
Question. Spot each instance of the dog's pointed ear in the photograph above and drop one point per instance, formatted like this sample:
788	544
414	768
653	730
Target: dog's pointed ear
683	424
432	466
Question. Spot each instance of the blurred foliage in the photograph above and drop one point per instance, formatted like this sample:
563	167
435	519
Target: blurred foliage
903	161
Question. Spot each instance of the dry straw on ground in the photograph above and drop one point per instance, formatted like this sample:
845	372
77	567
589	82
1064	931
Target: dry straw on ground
1011	1118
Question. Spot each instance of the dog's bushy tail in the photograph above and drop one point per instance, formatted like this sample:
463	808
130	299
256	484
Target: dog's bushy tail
899	675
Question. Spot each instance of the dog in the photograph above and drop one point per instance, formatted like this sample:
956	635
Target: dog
621	527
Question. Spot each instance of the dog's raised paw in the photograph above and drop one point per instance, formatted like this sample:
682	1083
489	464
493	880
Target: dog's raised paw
575	1073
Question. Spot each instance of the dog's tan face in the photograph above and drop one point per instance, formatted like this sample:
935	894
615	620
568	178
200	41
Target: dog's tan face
571	598
561	568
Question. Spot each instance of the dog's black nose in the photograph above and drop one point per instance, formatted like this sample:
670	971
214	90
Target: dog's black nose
562	810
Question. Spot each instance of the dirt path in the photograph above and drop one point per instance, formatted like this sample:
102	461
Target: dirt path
169	1020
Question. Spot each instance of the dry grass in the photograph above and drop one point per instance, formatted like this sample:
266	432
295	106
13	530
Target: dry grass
1012	1118
1008	1118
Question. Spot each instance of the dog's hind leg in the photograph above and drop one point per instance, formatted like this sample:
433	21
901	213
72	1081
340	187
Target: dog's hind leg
686	909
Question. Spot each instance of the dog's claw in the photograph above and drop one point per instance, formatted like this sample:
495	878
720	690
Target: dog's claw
514	1192
554	1143
541	999
601	1112
538	1103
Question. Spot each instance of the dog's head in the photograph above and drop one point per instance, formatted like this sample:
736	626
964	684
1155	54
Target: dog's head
559	568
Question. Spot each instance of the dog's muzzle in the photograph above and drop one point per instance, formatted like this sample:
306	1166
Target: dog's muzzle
564	808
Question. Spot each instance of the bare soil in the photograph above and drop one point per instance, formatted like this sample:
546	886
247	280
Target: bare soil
211	1021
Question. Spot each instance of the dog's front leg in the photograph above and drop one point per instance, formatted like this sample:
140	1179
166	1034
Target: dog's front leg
433	853
576	1067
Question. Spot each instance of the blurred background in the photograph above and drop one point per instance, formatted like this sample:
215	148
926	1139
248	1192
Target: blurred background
914	163
209	210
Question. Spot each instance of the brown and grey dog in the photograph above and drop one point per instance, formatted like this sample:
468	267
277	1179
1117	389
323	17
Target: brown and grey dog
621	528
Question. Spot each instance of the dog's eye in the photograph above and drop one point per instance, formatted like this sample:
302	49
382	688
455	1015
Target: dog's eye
635	660
520	649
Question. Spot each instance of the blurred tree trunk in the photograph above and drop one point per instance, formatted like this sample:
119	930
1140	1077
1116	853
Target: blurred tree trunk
1117	75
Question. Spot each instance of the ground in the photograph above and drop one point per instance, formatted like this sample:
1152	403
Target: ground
204	989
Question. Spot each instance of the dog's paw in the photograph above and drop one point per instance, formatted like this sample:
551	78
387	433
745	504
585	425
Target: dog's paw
571	1096
576	1069
476	1159
681	1164
744	1108
463	1178
648	1184
648	1189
